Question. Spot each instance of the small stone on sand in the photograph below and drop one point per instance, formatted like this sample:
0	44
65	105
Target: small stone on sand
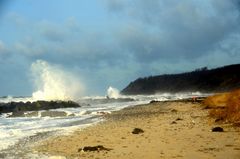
137	131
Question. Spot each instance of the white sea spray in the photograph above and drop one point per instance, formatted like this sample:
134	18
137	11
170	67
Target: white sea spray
52	82
113	93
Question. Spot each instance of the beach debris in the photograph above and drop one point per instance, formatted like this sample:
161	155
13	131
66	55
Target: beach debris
217	129
137	131
94	148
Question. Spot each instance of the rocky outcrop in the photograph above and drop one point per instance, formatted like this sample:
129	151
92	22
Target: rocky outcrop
20	107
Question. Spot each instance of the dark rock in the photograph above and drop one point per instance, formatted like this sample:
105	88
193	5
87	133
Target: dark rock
35	106
179	119
103	113
174	122
153	101
137	131
94	148
174	111
217	129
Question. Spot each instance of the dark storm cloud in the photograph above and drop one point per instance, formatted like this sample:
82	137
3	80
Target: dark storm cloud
177	29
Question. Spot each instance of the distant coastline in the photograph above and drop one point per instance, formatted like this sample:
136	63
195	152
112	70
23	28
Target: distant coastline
219	79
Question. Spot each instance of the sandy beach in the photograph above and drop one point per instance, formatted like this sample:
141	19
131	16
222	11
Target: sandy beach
170	130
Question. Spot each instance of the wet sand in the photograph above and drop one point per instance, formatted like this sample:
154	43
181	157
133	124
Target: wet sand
171	130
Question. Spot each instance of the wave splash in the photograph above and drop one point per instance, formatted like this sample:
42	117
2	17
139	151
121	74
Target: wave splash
113	93
53	83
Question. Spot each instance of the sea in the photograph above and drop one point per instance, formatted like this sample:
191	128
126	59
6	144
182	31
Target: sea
15	129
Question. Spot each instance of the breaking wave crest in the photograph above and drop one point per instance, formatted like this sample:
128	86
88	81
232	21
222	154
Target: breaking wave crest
52	82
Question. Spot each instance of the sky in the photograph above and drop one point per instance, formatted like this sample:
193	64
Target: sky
113	42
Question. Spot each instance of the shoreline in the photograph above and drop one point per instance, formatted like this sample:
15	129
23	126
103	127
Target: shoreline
172	129
23	148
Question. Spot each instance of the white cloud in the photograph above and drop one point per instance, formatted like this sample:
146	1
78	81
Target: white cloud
16	19
2	47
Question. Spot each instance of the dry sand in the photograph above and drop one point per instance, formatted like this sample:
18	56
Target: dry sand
171	130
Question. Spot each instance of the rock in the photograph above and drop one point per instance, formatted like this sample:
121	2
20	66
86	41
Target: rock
103	113
31	114
174	111
153	101
137	131
53	114
217	129
23	114
2	155
174	122
179	119
35	106
17	114
94	148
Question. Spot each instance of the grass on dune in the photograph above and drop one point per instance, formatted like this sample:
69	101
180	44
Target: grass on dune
225	106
